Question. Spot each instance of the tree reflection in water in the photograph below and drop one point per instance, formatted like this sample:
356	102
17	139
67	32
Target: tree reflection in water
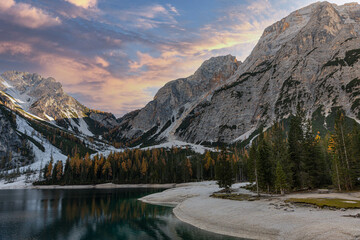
91	214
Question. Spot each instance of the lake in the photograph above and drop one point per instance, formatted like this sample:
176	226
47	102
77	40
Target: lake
90	214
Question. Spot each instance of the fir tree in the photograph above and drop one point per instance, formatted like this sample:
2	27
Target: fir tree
281	181
295	140
224	172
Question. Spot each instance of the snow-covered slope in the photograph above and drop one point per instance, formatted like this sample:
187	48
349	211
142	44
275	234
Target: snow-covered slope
45	99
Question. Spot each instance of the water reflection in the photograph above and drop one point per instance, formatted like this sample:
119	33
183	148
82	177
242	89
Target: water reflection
89	214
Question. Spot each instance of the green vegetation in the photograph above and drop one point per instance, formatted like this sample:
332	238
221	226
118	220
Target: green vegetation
67	142
25	150
234	196
351	57
298	157
224	171
266	65
318	121
327	202
186	122
173	165
36	143
291	155
352	84
335	62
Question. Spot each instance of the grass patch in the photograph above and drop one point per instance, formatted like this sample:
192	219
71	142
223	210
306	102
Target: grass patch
327	202
234	196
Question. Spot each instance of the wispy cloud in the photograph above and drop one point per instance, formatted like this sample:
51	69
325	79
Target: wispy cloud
83	3
15	48
26	15
149	17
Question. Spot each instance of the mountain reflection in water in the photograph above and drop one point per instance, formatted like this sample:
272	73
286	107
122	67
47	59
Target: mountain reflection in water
90	214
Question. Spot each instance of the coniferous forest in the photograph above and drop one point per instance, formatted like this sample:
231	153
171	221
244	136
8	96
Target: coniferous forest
277	160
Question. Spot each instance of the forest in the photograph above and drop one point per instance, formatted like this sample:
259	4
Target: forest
276	161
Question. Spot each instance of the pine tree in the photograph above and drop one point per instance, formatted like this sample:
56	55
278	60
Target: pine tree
279	150
252	166
49	169
224	172
341	157
295	140
264	165
209	163
59	170
281	181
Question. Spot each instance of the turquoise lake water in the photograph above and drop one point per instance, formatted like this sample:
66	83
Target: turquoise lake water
90	214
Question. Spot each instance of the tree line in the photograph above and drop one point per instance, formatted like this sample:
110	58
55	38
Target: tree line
299	159
174	165
277	160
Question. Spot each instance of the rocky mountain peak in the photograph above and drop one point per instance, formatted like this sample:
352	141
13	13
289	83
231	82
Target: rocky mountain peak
46	99
214	67
32	83
176	98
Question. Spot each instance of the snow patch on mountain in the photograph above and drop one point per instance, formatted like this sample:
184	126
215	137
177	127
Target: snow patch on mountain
245	135
180	144
40	156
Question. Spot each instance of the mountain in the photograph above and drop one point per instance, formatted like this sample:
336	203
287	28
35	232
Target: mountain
44	98
38	120
160	118
308	58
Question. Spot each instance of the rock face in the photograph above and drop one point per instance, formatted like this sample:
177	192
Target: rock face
45	98
173	101
309	58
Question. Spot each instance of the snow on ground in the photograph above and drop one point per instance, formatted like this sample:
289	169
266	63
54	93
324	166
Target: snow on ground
41	158
82	125
21	99
256	219
109	149
185	191
84	128
49	117
24	127
176	143
5	83
245	135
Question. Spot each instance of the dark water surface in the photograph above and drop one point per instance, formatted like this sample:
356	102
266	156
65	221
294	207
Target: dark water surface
90	214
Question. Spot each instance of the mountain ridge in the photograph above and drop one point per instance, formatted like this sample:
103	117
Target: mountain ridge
295	61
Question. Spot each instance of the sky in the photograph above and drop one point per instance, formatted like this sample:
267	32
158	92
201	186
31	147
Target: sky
113	55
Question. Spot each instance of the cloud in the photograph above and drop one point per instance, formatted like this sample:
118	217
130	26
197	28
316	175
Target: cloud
259	7
150	16
83	3
25	15
102	62
172	9
15	48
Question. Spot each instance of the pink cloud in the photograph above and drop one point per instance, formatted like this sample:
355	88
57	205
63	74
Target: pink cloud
102	62
83	3
15	48
26	15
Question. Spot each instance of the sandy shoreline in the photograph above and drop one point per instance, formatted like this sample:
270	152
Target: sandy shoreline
262	219
96	186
